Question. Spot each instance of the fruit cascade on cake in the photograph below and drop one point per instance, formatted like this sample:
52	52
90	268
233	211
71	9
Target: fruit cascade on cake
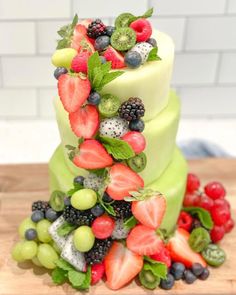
120	208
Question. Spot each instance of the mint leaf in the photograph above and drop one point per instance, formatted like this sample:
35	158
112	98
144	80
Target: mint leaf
119	149
76	188
59	276
76	278
74	21
106	67
202	214
66	32
110	77
97	78
130	223
93	62
61	263
87	282
65	229
100	172
153	55
108	208
148	13
158	269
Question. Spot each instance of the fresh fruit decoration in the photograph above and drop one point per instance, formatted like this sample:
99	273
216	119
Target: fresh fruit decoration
108	225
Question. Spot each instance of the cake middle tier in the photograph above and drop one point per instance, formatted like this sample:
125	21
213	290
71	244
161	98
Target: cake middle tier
160	134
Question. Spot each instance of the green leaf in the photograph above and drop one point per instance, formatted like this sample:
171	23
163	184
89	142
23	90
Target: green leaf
130	223
61	263
158	269
202	214
153	55
87	282
75	21
100	172
119	149
59	276
97	78
66	32
148	13
76	278
93	62
62	44
106	67
65	229
110	77
108	208
70	147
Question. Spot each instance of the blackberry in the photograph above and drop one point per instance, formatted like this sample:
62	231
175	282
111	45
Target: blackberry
77	217
132	109
70	214
122	209
96	29
42	206
98	252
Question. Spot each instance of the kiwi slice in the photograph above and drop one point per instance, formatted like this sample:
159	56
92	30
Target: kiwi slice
109	105
138	162
57	201
124	20
148	280
123	39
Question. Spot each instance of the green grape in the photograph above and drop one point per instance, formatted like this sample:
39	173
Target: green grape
26	224
63	57
84	199
29	249
42	231
16	252
83	238
36	261
55	247
47	256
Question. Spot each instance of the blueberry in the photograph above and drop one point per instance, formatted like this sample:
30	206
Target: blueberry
197	269
94	98
67	201
101	43
59	71
189	277
97	210
205	274
102	59
30	234
177	270
106	198
37	216
152	41
136	125
168	283
51	215
79	180
110	30
133	59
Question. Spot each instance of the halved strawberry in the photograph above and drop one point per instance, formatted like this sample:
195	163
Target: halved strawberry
85	22
117	60
123	180
97	272
92	155
150	212
163	255
80	29
144	241
73	91
80	41
121	266
85	121
180	250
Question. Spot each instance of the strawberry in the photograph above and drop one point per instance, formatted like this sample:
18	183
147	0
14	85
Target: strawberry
82	27
92	155
144	241
73	91
80	62
163	255
97	272
80	41
85	22
180	250
142	28
121	266
123	180
85	121
136	140
117	60
185	221
150	211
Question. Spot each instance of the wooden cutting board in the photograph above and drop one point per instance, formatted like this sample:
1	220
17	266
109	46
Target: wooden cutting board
21	184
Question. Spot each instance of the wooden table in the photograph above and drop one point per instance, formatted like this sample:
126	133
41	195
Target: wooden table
21	184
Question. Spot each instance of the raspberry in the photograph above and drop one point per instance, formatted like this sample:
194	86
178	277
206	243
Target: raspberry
220	215
96	29
185	221
191	200
97	272
229	225
217	233
142	28
222	203
205	202
80	62
215	190
162	256
193	183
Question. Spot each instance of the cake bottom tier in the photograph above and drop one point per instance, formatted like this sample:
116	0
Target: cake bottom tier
171	183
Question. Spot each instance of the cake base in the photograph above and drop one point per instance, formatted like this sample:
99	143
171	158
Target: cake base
171	183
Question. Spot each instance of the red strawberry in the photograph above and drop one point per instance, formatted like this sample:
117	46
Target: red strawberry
97	272
80	42
121	266
123	180
150	211
85	22
180	250
185	221
142	28
136	140
80	62
144	241
73	91
117	60
81	28
163	255
85	121
92	155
